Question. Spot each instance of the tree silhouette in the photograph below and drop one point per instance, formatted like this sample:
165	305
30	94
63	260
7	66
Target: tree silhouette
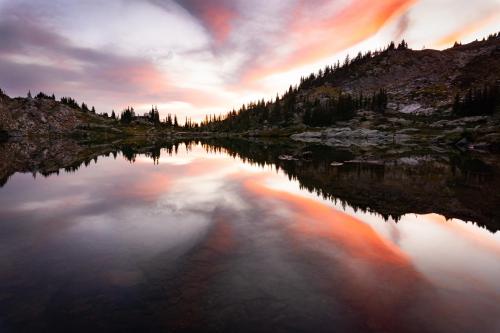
127	115
485	101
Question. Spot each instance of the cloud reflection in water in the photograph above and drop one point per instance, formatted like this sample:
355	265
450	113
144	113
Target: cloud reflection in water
209	241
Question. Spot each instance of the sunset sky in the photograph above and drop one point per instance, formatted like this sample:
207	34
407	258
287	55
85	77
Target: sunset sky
193	57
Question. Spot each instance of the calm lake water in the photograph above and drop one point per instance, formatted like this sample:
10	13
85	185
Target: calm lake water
206	240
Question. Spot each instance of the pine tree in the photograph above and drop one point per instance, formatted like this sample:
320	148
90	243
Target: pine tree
403	45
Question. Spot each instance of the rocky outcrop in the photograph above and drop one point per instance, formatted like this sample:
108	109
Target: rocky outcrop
371	131
40	116
345	137
43	117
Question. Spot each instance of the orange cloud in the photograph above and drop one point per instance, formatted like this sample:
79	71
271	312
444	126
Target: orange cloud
314	219
313	40
356	266
361	263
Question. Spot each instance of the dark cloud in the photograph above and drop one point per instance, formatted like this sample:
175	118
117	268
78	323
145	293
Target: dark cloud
18	78
196	6
216	16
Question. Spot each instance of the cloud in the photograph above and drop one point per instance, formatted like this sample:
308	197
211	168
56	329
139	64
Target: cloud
466	30
216	16
34	57
313	39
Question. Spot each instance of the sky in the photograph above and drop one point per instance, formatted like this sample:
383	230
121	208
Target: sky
194	57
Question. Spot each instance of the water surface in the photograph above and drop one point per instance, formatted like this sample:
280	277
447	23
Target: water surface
202	238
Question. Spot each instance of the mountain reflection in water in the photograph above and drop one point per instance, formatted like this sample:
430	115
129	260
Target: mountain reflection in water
194	237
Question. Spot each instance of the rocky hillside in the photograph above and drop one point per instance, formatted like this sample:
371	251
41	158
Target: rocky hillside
417	81
44	116
457	82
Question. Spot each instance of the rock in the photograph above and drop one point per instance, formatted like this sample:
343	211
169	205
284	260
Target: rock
306	135
399	121
491	138
459	122
481	146
371	162
462	143
411	108
408	130
287	158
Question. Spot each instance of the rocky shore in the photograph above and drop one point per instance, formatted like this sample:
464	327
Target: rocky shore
370	131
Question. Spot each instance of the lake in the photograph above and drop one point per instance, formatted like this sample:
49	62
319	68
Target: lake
233	236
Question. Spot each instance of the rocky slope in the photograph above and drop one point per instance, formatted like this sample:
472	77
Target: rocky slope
417	81
43	117
421	87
